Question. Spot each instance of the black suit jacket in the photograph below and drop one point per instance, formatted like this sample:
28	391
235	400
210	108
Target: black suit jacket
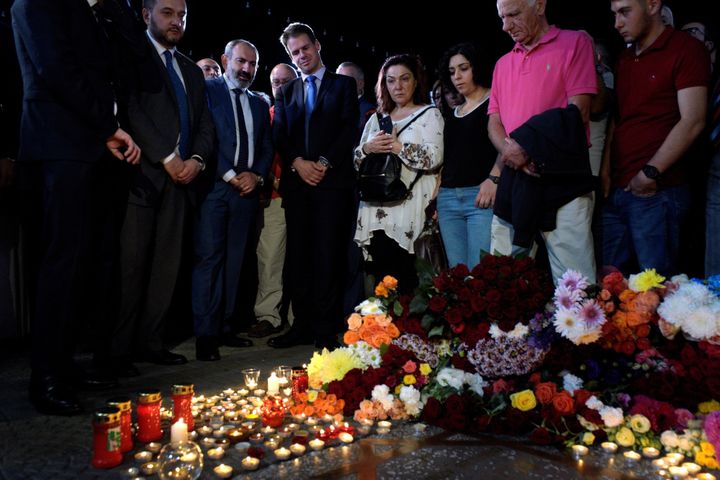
333	130
67	79
155	123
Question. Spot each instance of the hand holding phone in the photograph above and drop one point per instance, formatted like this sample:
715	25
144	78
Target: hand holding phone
386	124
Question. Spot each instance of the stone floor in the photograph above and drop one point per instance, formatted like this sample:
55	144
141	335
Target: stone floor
33	446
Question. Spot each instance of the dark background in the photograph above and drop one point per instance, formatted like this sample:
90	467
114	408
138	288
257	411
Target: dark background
367	32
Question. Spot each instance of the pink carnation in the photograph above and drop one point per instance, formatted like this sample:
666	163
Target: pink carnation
683	417
409	367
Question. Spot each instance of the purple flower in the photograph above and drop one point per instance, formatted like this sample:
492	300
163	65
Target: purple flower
566	297
592	314
712	429
573	280
683	416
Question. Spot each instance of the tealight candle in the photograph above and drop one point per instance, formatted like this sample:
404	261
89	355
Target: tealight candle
243	392
327	418
132	472
208	442
674	458
287	391
310	421
384	424
259	392
297	448
205	430
282	453
692	468
293	426
222	442
268	430
659	463
143	456
345	437
223	471
316	444
220	432
216	453
285	432
272	444
250	463
382	430
609	447
228	391
242	446
256	437
153	447
579	451
650	452
188	457
150	468
677	472
215	424
632	456
363	429
300	418
705	476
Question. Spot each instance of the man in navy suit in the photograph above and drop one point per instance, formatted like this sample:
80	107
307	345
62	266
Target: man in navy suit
70	133
244	151
170	119
315	128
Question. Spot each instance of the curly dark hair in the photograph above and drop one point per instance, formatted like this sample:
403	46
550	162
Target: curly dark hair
481	62
412	63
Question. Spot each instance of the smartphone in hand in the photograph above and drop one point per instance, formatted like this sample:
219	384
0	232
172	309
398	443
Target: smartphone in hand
386	124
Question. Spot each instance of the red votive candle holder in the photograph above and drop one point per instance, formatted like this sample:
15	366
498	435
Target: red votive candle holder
182	394
272	412
106	438
124	404
299	381
148	416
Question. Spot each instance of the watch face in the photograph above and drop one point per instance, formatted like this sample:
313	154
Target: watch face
651	172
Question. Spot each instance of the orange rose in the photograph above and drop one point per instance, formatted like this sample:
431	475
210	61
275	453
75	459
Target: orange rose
369	321
647	302
355	321
351	338
545	392
392	330
381	290
605	295
627	295
309	410
390	283
378	338
383	320
563	403
642	330
636	318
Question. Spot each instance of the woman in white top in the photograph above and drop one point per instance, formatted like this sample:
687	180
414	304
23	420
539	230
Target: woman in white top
387	231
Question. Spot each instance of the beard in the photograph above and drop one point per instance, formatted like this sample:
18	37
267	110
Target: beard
165	37
243	82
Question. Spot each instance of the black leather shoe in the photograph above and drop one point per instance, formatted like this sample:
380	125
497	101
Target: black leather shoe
93	380
164	357
206	349
330	343
262	329
230	340
52	397
289	339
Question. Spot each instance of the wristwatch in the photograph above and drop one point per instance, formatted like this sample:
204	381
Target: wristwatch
324	162
651	172
260	180
494	178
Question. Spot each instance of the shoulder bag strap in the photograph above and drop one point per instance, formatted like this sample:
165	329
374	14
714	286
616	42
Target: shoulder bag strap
420	173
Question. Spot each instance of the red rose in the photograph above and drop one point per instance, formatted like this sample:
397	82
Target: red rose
478	304
432	410
541	436
437	303
545	392
581	397
482	422
453	316
475	332
564	403
460	270
500	386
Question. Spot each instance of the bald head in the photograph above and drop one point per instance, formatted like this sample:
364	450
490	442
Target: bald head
210	68
281	74
351	69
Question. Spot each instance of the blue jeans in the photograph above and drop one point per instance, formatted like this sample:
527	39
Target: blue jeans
712	219
465	229
644	232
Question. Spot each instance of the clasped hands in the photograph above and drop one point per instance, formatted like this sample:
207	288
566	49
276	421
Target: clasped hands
310	171
182	171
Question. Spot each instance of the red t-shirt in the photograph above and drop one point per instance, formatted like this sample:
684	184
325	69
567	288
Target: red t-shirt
647	86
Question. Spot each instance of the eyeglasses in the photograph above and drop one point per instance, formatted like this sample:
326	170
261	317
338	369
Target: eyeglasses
696	32
278	83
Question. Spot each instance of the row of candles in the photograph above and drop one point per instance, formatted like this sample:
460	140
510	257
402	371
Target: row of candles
671	466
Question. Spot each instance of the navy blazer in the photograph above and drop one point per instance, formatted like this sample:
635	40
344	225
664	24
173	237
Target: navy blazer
220	104
333	130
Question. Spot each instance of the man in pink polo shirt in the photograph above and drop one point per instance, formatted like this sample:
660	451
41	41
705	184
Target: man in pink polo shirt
547	68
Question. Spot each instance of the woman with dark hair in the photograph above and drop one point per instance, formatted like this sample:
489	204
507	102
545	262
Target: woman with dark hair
445	98
469	176
387	231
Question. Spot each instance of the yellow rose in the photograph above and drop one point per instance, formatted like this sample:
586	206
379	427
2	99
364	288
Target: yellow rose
588	438
639	423
409	380
397	389
709	407
312	395
524	400
625	437
425	369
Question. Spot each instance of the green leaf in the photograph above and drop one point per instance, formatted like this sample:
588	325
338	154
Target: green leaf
384	348
437	331
427	321
418	304
424	269
397	308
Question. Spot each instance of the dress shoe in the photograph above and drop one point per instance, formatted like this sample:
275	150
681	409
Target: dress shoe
230	340
52	397
164	357
118	367
262	329
289	339
206	349
328	342
98	380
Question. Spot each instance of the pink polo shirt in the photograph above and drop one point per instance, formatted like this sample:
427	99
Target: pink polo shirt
526	83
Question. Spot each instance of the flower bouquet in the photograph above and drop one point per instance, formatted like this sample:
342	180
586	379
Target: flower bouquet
693	308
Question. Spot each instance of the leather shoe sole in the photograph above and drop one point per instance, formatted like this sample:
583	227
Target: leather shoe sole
54	399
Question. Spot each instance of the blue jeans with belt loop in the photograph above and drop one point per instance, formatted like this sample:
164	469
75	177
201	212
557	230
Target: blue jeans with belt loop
465	228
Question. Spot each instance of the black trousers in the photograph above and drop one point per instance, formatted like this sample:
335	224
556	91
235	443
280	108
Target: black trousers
317	231
83	204
389	258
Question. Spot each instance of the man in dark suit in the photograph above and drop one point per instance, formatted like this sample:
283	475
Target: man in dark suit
70	132
244	151
172	124
315	128
367	107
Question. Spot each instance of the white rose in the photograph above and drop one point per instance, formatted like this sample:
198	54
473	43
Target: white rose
451	377
669	439
612	417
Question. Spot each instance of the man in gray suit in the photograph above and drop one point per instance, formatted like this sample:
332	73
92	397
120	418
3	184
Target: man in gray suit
244	152
172	124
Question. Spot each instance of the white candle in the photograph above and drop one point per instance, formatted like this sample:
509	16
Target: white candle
244	391
242	446
674	458
216	453
143	456
297	448
259	392
659	463
327	418
150	468
273	384
268	430
188	457
705	476
205	430
293	426
345	437
632	456
179	432
310	421
153	447
223	471
282	453
678	472
609	447
220	432
650	452
316	444
208	441
384	424
250	463
692	468
579	451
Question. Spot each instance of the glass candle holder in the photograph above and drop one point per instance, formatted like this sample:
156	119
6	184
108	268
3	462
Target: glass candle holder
299	381
148	416
182	394
106	438
252	376
124	404
180	460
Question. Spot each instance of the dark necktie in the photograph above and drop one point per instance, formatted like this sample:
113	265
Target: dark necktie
715	118
183	108
311	95
241	162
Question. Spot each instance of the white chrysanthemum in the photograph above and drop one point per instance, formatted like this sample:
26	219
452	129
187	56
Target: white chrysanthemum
411	397
611	416
370	307
495	331
584	335
565	297
572	383
475	382
520	331
573	280
451	377
381	393
703	323
669	439
694	308
594	403
368	354
686	442
565	320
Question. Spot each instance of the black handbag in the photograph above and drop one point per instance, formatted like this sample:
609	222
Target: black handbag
429	245
379	174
